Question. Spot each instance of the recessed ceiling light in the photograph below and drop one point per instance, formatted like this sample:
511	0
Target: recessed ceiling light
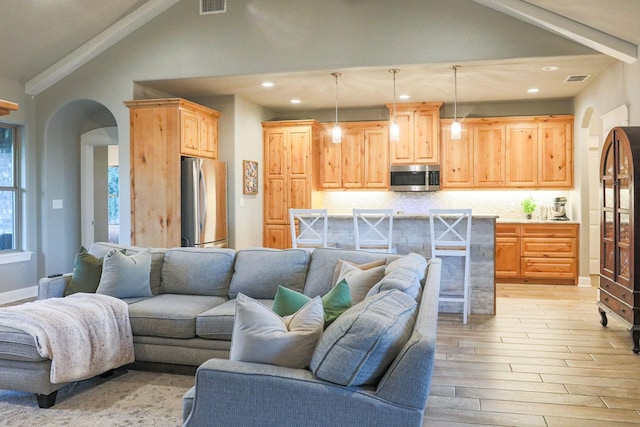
295	101
533	90
550	68
404	96
267	84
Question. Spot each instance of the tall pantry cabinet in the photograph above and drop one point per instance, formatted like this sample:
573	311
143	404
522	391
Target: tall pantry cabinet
161	131
288	179
619	237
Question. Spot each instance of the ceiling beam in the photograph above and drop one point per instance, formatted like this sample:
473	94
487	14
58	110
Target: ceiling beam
97	45
573	30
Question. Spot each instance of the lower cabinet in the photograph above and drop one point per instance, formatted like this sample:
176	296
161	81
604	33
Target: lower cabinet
537	253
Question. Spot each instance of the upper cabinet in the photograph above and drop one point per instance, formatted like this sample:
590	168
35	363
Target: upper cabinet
419	124
361	161
161	131
509	152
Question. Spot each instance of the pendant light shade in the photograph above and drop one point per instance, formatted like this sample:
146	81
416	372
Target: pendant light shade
456	127
336	132
394	129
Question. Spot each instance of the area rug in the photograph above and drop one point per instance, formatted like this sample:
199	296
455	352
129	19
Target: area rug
128	398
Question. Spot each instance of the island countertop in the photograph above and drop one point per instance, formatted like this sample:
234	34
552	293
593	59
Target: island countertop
411	233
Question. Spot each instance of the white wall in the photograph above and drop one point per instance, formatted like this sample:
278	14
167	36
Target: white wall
620	85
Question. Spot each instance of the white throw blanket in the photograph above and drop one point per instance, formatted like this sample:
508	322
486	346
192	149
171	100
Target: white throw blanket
83	334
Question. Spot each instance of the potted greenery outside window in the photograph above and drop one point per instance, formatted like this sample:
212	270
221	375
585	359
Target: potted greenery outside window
528	206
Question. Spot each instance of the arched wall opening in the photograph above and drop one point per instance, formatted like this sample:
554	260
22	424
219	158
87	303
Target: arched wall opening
60	181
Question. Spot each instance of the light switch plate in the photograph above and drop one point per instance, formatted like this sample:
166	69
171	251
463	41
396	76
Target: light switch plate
57	204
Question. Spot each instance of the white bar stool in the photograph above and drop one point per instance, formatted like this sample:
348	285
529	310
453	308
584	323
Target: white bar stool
309	235
373	230
451	236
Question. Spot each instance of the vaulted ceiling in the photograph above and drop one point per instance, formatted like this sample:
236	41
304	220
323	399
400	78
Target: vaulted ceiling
43	38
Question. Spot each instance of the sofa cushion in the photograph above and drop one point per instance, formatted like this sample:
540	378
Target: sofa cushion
360	281
258	272
405	274
261	336
360	345
18	345
197	271
217	323
170	315
334	303
125	276
87	269
100	249
323	264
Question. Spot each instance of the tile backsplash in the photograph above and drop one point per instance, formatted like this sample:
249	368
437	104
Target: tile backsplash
504	203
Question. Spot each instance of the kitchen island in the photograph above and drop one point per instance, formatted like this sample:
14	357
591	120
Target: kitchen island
411	234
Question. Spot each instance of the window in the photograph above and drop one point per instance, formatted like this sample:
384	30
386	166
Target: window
8	188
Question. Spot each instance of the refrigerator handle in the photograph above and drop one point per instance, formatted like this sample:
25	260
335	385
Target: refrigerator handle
203	191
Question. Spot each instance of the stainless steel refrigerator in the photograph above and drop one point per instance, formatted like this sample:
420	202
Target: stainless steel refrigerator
204	203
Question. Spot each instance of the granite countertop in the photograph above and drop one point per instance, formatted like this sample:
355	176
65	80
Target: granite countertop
532	221
409	216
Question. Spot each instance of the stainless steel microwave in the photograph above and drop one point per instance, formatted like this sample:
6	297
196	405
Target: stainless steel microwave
414	178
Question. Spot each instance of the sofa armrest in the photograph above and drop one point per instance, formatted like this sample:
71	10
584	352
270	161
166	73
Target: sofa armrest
232	393
53	287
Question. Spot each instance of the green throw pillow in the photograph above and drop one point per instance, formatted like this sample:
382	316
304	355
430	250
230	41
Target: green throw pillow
87	270
335	302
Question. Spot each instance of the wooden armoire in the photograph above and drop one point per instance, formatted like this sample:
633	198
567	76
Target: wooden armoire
619	238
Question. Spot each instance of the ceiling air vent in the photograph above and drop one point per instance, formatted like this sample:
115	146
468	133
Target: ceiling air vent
577	78
213	6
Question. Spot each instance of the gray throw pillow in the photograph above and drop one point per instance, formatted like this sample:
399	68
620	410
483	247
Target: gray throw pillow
125	276
359	346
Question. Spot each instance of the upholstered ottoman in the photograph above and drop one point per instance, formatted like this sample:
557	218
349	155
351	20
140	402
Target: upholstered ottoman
23	369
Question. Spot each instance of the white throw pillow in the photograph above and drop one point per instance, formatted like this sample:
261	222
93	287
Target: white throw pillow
360	281
125	276
261	336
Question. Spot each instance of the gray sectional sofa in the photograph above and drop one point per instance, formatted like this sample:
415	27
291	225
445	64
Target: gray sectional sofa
189	320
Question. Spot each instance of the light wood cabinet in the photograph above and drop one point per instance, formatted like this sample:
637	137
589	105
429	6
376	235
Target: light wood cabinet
521	161
287	175
457	159
419	124
361	161
488	156
555	149
507	251
509	152
538	252
476	160
161	131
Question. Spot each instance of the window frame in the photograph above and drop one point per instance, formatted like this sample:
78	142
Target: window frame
17	199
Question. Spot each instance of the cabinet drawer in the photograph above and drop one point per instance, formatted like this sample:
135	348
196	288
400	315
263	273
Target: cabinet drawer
548	268
507	230
549	230
617	306
548	248
621	292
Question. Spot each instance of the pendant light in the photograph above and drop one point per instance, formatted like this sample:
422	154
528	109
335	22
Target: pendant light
336	132
456	127
394	129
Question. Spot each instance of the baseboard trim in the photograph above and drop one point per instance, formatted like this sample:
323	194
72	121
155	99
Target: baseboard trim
18	294
584	281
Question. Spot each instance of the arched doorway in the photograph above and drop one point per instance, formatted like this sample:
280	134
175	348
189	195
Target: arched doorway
60	181
99	171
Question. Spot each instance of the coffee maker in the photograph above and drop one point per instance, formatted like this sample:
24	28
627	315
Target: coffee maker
558	212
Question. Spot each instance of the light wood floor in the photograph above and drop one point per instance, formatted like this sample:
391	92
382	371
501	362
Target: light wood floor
543	360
